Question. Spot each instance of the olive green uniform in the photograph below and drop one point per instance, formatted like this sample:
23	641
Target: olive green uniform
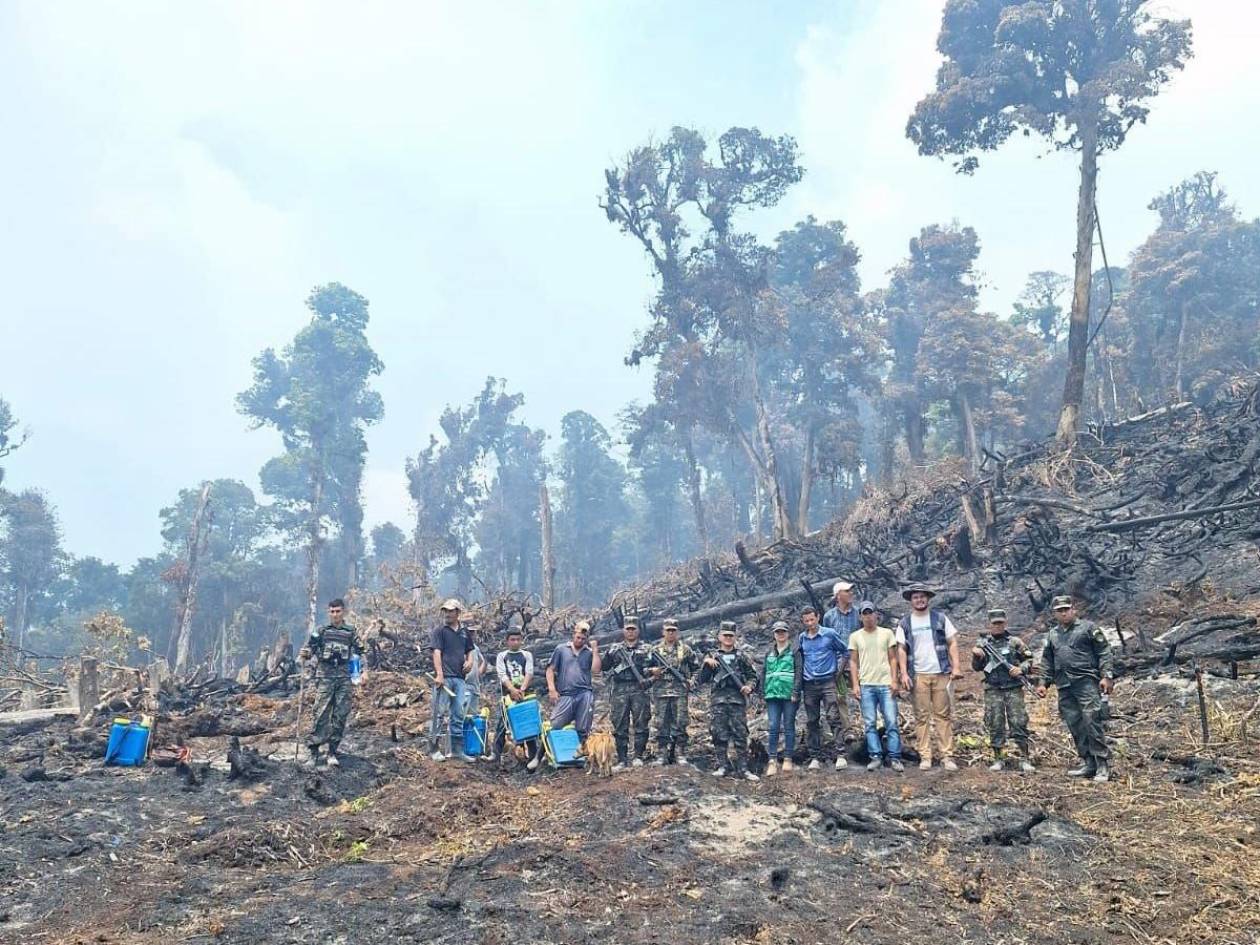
1004	708
1074	659
670	697
728	706
332	648
631	702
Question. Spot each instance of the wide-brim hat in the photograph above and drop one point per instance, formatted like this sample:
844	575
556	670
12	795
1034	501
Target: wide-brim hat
917	588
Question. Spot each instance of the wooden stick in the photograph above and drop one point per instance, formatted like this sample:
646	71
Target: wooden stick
1203	718
1132	523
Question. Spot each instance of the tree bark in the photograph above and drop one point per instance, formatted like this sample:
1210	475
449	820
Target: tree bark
1078	327
548	553
807	483
1179	374
188	604
971	445
693	490
914	430
314	541
784	525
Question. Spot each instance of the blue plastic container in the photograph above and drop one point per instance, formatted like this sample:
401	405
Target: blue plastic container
563	745
524	719
128	742
475	736
356	669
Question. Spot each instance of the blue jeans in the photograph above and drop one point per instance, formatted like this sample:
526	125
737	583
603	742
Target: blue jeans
880	698
445	706
782	714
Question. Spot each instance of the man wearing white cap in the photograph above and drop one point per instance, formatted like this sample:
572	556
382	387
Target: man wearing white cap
452	655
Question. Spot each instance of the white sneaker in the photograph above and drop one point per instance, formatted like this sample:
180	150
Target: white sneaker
997	765
897	765
772	769
438	756
681	759
749	776
658	762
925	764
618	767
533	764
718	772
813	764
842	762
333	761
637	763
874	764
949	765
1026	766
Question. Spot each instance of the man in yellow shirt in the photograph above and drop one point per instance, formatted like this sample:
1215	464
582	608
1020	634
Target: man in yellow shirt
873	671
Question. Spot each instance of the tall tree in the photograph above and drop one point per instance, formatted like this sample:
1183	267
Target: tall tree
33	559
1038	307
1077	72
9	439
316	394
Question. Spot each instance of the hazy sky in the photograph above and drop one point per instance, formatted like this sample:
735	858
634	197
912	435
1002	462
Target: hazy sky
175	180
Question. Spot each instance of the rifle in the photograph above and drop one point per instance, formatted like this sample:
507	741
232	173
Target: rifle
628	656
996	659
730	674
671	669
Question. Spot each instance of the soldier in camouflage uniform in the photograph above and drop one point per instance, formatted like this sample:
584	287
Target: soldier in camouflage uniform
1077	659
331	646
670	694
627	664
734	678
1003	692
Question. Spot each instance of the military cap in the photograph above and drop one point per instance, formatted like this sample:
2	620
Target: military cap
1061	602
726	626
996	614
630	620
671	623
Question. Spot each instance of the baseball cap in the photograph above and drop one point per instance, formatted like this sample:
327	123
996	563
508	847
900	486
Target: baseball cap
841	586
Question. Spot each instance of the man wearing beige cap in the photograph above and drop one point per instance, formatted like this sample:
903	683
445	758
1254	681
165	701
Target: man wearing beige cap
452	654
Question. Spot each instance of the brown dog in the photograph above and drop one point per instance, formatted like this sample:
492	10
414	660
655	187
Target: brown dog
599	752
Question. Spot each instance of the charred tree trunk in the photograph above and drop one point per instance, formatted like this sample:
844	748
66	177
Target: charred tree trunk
1179	391
188	601
971	445
1078	329
314	542
548	552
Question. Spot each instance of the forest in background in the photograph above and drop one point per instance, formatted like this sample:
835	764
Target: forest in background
783	389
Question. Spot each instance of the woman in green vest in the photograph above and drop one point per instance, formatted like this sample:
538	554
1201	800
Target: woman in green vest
781	671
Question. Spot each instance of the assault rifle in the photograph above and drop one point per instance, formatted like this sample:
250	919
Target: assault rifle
628	655
671	669
996	659
729	673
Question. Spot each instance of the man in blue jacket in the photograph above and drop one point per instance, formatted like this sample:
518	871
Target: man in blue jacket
823	651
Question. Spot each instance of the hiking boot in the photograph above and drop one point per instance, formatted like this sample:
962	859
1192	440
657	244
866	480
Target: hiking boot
787	765
842	762
333	760
772	769
1026	766
637	763
813	764
313	754
874	764
897	765
1085	770
949	765
438	756
925	764
749	776
718	772
997	765
1102	775
681	759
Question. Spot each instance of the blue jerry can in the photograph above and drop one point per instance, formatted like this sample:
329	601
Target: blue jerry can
128	742
475	736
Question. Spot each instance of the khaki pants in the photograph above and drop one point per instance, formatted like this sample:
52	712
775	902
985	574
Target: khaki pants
932	715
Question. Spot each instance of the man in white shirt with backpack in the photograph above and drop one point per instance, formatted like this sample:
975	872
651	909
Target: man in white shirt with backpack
930	664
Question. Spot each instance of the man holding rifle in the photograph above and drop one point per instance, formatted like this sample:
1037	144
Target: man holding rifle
734	679
673	663
1006	662
627	664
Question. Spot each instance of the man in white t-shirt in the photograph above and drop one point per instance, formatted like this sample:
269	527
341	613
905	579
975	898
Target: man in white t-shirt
930	654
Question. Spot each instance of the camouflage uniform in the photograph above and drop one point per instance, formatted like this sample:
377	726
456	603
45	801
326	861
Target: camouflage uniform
332	648
1075	658
670	697
631	701
728	706
1003	693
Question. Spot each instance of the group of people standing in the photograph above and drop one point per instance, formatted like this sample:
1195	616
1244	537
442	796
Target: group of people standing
844	652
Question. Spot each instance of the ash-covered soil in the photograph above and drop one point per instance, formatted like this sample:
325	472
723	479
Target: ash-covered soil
395	848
